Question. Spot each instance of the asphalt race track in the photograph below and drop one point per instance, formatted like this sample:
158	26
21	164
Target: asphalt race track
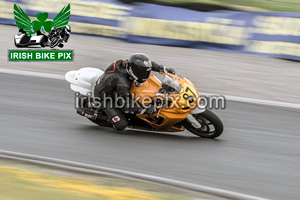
258	154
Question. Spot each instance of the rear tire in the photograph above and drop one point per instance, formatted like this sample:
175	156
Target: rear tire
212	126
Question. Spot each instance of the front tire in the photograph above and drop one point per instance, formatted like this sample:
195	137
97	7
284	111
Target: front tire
54	42
211	125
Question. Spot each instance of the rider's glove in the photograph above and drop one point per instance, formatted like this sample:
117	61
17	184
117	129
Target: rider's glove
170	70
164	69
149	110
131	110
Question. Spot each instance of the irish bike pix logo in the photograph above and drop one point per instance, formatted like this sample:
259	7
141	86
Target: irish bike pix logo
41	39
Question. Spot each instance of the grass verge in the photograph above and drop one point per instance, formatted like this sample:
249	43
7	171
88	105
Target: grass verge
19	181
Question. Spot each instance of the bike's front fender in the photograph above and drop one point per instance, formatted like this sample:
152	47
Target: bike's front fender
197	110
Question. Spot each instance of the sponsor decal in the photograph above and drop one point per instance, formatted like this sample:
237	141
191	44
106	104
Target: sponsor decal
88	116
116	118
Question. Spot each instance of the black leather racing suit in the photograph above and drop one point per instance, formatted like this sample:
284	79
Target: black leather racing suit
116	82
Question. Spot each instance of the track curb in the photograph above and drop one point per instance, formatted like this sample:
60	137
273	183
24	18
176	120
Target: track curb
92	169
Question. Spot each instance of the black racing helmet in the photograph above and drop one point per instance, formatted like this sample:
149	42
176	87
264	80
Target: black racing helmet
68	28
139	68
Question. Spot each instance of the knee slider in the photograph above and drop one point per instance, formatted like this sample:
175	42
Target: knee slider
121	125
117	118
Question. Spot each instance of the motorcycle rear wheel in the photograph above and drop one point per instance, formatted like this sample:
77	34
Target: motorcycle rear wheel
211	125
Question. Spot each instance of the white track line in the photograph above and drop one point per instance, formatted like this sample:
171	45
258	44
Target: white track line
228	97
70	165
258	101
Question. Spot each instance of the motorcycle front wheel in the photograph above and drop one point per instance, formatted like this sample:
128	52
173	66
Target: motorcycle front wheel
54	42
211	125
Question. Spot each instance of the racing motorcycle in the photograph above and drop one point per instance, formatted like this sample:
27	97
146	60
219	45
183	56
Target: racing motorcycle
58	36
175	98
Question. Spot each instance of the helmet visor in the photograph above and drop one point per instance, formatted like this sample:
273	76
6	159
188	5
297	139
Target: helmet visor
140	74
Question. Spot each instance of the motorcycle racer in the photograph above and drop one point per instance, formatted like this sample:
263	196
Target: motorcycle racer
117	81
151	96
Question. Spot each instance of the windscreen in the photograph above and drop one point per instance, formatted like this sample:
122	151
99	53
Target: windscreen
170	85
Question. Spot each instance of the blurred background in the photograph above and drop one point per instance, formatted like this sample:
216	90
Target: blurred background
240	49
249	5
214	34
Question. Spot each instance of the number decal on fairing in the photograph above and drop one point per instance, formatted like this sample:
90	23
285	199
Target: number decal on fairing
186	96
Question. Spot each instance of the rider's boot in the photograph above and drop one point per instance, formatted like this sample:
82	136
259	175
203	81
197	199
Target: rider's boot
92	114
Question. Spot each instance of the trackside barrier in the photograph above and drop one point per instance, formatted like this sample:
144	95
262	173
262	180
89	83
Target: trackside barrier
99	170
260	33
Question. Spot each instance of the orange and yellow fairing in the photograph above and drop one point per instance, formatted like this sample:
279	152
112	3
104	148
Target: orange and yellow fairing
186	100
